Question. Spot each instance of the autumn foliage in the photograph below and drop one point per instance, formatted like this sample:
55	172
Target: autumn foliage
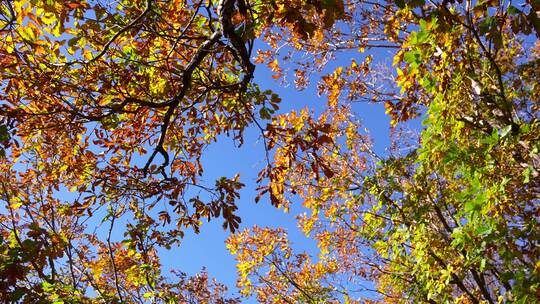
107	108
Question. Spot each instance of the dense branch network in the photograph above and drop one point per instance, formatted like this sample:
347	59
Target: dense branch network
226	9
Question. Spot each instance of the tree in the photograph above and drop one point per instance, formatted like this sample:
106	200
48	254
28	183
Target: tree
90	88
454	218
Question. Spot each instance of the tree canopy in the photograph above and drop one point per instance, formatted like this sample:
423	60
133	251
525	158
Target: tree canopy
107	108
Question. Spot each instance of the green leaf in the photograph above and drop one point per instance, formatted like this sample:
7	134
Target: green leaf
527	175
482	230
482	264
486	25
512	10
412	57
471	206
422	37
505	131
16	295
4	133
264	113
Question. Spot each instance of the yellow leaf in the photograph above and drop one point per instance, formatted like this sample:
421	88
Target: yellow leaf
48	18
9	44
27	33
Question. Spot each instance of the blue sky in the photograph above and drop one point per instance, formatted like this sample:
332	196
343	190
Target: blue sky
207	249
